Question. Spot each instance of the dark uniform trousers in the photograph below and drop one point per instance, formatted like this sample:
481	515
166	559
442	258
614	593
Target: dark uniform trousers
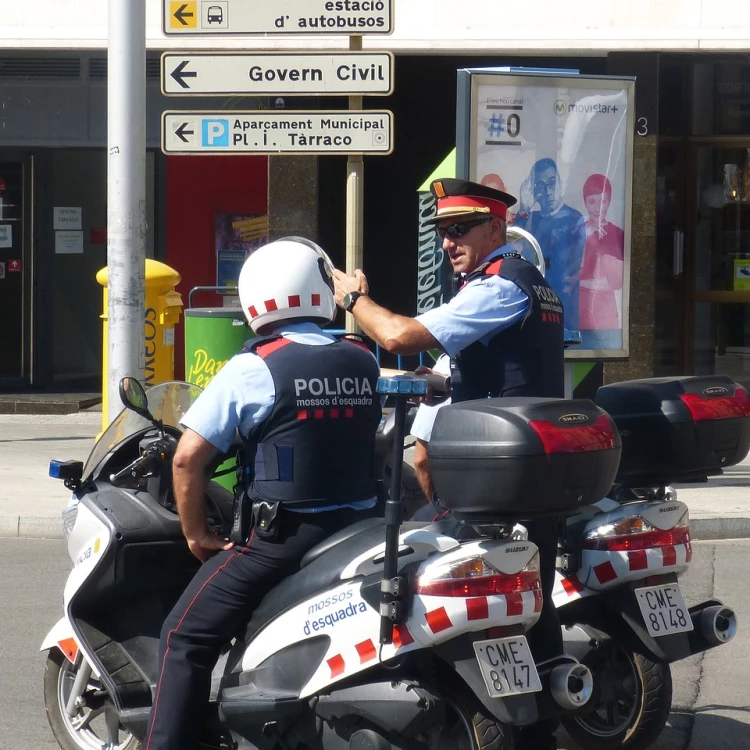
217	602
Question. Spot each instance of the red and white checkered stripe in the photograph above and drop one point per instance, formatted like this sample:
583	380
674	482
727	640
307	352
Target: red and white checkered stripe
604	569
351	660
441	616
293	300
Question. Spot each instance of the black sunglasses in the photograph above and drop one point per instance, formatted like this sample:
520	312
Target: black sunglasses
459	229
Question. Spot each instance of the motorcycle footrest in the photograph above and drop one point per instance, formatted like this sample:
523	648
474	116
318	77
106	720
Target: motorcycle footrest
258	705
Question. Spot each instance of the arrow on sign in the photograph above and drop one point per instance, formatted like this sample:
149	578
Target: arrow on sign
179	74
181	132
181	15
14	265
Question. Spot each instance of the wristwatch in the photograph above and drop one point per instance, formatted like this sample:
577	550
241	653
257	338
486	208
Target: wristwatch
349	299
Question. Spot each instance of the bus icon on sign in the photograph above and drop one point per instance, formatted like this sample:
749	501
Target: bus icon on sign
215	133
215	14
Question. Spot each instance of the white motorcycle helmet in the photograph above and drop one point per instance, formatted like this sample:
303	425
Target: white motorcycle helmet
287	279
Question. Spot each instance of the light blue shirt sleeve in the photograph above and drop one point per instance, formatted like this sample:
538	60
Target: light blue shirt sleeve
481	309
240	396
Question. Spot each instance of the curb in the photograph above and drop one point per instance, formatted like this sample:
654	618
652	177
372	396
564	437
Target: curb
712	529
34	527
31	527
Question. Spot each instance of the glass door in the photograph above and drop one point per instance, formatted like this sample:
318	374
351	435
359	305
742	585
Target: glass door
14	333
721	260
670	323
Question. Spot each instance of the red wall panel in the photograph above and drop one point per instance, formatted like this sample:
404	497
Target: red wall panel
198	187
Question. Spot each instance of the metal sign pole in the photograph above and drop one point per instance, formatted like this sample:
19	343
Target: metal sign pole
126	195
355	199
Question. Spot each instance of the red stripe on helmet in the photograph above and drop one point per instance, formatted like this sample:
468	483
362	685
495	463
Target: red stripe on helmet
294	300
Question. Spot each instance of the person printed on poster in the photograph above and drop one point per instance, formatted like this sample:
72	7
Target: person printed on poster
559	229
602	268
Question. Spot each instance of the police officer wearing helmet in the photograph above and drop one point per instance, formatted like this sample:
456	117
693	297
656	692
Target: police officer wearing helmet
504	333
305	406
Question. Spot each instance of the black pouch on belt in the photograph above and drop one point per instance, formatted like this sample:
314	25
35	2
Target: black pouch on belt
242	512
266	519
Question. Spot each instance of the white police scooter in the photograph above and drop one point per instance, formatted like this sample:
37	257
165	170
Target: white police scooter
390	635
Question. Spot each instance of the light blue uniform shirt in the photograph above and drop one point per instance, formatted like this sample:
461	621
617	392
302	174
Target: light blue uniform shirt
481	309
242	395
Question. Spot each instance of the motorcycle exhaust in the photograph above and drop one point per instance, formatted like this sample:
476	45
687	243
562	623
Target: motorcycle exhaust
717	624
571	685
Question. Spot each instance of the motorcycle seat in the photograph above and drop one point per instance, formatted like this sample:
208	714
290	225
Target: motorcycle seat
340	536
324	571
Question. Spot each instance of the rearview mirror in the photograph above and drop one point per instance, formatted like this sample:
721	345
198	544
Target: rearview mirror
134	397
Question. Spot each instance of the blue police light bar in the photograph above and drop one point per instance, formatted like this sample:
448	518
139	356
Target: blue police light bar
404	385
65	469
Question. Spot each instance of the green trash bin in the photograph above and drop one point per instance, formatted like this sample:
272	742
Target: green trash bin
213	335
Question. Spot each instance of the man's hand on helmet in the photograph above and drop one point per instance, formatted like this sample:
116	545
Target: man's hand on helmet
344	284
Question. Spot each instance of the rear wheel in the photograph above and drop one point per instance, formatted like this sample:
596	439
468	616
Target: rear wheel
94	725
631	702
469	726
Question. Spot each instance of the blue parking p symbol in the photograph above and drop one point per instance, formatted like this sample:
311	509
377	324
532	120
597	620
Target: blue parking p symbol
216	133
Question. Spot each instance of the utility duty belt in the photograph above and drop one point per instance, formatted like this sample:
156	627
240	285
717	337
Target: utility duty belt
253	516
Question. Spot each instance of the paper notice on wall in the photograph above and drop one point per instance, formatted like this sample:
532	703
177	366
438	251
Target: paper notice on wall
68	243
68	217
6	235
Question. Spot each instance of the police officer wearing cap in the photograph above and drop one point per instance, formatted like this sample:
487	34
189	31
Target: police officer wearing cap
504	333
305	406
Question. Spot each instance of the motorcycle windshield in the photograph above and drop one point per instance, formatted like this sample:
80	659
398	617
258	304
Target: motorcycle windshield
168	402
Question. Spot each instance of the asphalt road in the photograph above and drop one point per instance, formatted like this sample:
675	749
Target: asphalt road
711	706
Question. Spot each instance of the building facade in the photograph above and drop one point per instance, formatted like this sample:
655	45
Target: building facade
691	194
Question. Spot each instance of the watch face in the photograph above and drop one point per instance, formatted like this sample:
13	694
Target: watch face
349	299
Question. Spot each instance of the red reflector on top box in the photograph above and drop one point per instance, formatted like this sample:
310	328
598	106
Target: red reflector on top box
492	457
677	429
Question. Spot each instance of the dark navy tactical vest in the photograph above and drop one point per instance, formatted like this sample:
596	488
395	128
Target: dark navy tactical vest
523	360
317	447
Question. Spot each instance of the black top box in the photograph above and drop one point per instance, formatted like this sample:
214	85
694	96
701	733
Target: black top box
521	458
677	429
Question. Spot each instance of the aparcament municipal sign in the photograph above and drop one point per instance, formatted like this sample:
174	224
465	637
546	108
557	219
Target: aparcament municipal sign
281	17
287	132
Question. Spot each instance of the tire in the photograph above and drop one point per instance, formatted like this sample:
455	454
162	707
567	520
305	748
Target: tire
469	726
86	730
631	702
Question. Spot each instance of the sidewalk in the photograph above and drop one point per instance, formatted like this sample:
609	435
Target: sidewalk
31	502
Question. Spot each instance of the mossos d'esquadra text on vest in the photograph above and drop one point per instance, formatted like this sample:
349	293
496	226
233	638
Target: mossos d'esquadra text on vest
333	391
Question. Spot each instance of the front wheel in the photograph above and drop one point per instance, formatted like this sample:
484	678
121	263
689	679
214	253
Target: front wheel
94	725
631	702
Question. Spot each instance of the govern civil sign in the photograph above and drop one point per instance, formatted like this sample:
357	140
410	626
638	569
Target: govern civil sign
267	17
287	132
276	73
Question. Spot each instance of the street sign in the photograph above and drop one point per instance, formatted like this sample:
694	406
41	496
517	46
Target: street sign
276	73
287	132
267	17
